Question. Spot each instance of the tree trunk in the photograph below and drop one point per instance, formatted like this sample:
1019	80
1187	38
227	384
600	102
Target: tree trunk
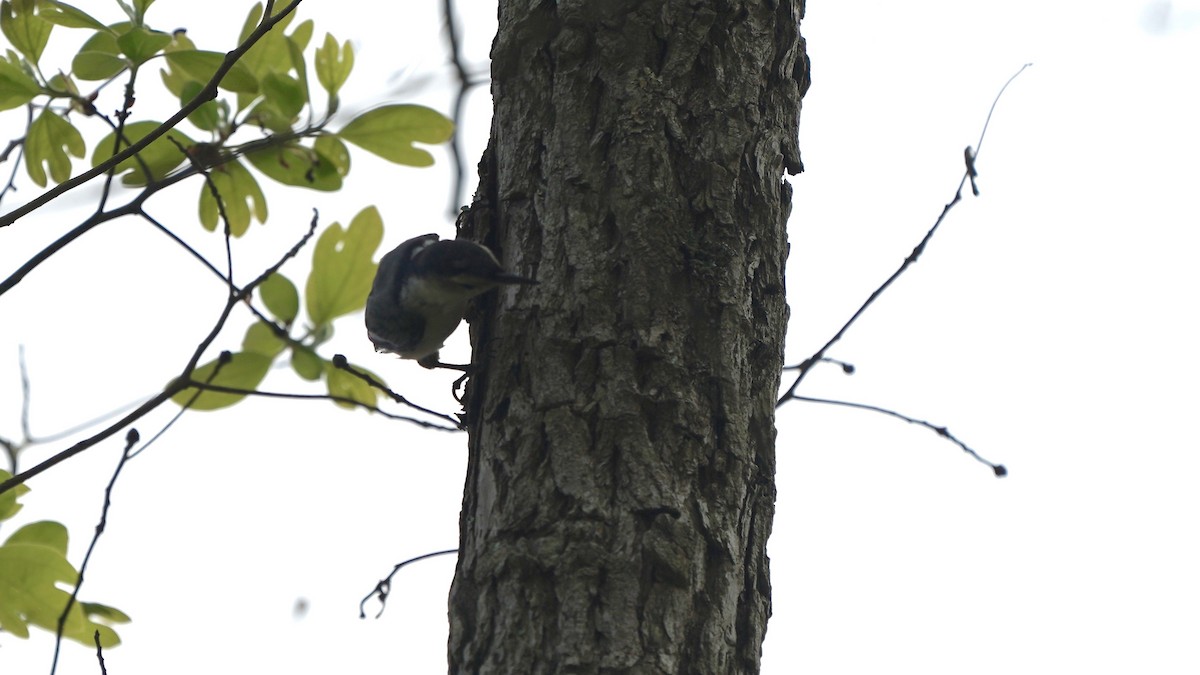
620	487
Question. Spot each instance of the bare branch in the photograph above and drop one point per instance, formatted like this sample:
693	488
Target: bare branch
819	355
100	653
384	587
318	397
17	144
998	469
175	386
465	84
119	137
339	361
131	438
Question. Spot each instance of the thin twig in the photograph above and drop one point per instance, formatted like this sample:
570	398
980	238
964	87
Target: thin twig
998	469
175	386
465	84
131	439
222	389
385	585
27	401
119	137
280	331
339	361
811	361
17	144
99	653
222	361
224	216
245	292
24	392
141	411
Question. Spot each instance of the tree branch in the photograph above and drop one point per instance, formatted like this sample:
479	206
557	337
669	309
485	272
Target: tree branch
819	355
175	386
131	438
998	469
208	93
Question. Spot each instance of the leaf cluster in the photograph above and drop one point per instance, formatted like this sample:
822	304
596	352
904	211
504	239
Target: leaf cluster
264	92
252	112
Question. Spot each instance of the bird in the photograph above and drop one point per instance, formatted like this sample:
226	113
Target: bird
421	292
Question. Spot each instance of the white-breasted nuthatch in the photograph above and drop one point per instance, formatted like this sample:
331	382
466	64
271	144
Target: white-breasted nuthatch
421	291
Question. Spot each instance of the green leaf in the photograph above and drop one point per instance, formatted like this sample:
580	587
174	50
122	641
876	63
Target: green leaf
271	54
390	132
100	56
140	6
342	269
43	533
173	78
294	164
16	87
139	44
279	294
307	364
251	22
261	339
245	370
301	35
125	7
333	150
202	65
240	194
347	385
208	116
161	156
27	31
62	14
284	94
32	565
8	500
48	143
106	41
333	65
297	54
29	593
94	66
109	614
62	82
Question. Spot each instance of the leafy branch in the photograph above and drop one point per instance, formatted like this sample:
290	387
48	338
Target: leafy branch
207	93
256	107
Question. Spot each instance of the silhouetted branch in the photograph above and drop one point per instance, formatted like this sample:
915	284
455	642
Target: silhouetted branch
119	137
99	653
339	361
808	363
222	389
385	585
175	386
998	469
131	438
465	84
17	144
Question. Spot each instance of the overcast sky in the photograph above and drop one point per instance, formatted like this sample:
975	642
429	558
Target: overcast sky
1051	325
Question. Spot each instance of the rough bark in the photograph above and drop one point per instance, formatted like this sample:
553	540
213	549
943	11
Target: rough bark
620	487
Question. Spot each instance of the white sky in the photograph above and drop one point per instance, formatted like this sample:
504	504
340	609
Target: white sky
1052	325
